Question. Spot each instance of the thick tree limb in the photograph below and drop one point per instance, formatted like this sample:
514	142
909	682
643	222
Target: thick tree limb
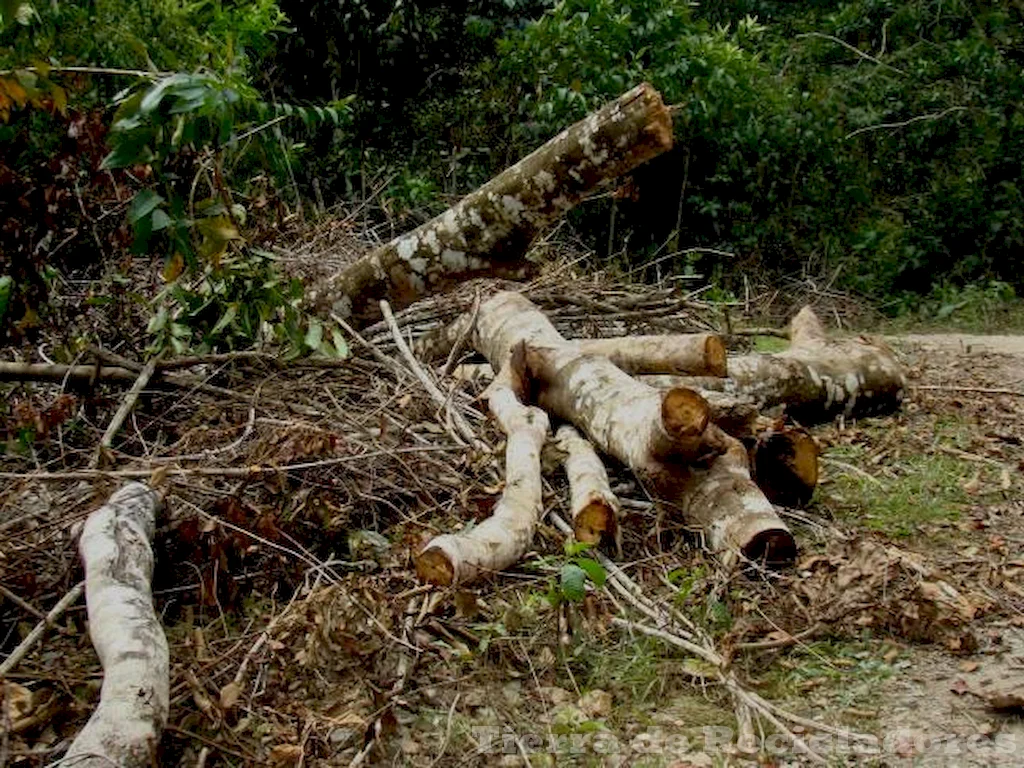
489	231
698	354
818	378
593	506
635	423
115	548
720	496
503	538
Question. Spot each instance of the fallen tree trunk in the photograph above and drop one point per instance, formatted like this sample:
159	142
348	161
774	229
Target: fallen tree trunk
503	538
489	230
593	506
115	548
817	378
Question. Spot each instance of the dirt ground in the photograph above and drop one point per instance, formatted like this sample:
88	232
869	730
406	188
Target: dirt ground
934	718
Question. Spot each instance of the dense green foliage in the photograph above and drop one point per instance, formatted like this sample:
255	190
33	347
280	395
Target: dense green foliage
873	144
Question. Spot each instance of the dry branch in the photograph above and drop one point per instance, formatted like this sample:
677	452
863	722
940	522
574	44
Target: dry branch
115	548
593	506
489	230
818	377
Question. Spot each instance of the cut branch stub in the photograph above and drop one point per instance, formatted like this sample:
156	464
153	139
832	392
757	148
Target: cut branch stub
720	496
785	465
593	506
489	231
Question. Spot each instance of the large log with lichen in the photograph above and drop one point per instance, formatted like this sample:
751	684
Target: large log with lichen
488	232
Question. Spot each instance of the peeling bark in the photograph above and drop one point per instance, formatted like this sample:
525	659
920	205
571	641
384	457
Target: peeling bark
115	548
817	378
593	506
503	538
489	231
698	354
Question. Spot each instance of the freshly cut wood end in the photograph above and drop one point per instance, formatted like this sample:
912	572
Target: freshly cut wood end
684	413
772	546
659	127
785	464
715	356
595	521
434	567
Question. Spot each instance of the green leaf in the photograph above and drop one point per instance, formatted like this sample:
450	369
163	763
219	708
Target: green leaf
594	570
161	220
340	345
158	321
573	548
225	319
144	203
6	289
573	580
314	334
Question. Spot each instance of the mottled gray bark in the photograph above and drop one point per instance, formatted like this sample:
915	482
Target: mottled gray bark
489	231
817	378
719	495
115	548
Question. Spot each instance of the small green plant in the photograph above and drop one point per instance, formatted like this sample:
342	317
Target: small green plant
573	575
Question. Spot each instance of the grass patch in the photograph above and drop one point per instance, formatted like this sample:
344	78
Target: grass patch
847	673
769	344
917	490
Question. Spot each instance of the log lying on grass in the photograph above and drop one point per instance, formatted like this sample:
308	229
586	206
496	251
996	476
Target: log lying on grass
697	354
115	548
818	378
489	231
719	495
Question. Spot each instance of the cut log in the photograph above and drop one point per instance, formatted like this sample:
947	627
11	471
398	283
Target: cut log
817	378
504	537
698	354
489	231
115	548
634	423
784	464
720	496
593	506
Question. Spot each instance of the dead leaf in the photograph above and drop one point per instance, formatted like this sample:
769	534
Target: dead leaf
968	666
18	700
229	695
596	703
286	754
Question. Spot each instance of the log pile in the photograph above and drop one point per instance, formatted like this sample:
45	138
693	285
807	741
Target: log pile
694	437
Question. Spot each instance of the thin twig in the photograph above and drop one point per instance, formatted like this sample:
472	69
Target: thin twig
976	390
130	398
26	645
253	471
905	123
462	430
852	49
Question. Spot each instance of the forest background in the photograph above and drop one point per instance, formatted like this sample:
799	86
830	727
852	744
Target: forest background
873	146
